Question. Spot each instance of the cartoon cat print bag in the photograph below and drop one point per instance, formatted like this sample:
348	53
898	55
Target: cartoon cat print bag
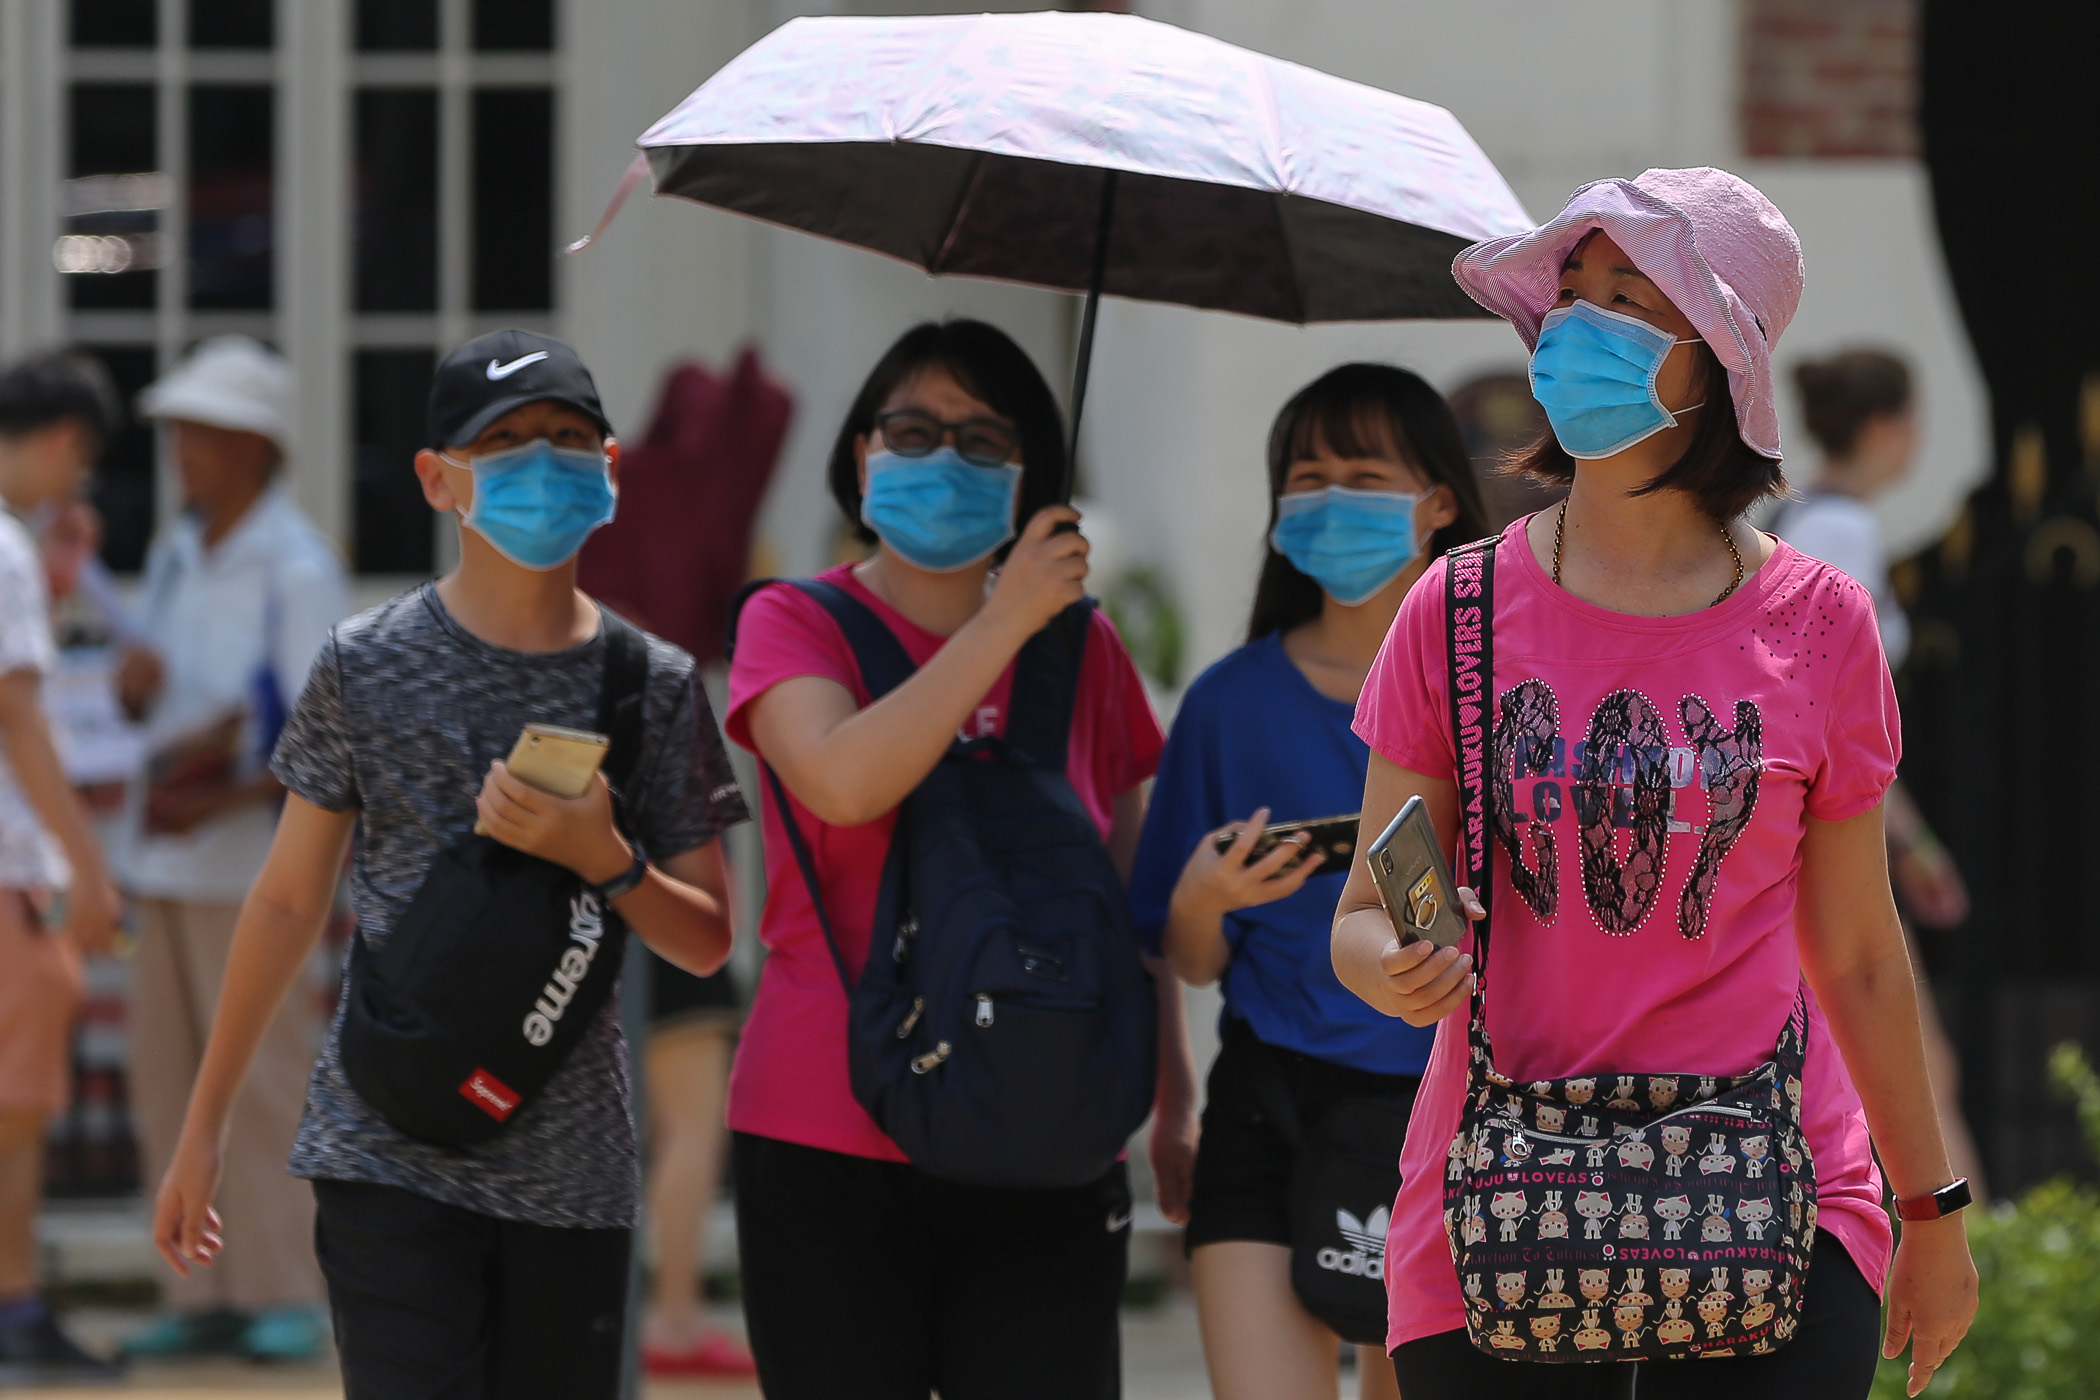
1613	1217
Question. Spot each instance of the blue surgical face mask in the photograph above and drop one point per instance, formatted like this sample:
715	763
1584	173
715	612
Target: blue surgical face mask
938	512
538	503
1351	543
1594	373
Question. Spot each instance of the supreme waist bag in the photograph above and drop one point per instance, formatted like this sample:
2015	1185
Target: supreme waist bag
499	965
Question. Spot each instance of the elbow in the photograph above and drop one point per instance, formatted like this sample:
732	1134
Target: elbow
836	804
1194	971
702	955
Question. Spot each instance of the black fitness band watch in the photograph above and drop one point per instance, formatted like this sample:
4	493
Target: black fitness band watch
623	883
1935	1205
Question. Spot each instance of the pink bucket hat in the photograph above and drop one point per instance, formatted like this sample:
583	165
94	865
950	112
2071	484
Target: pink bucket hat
1718	249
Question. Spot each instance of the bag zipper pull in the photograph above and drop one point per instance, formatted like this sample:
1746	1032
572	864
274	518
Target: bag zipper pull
984	1008
918	1008
906	932
932	1058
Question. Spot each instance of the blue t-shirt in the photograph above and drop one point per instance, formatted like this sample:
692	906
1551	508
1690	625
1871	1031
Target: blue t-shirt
1253	732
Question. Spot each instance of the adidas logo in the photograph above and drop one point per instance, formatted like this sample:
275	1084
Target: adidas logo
1365	1238
586	927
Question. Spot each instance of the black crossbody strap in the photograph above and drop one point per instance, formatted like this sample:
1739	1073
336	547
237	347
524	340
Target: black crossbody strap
620	704
1469	614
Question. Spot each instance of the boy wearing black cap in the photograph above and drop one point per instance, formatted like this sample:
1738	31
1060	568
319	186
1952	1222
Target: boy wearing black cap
497	1270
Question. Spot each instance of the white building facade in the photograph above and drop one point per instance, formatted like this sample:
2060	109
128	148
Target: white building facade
366	182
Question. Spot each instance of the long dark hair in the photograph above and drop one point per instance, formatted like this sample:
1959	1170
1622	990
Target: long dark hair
1362	410
1720	471
987	365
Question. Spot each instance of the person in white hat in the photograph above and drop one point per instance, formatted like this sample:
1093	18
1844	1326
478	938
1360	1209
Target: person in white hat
238	597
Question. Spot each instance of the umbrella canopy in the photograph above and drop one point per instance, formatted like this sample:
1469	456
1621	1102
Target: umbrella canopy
1094	153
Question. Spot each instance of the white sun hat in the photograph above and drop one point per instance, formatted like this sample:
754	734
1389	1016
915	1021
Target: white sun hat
229	381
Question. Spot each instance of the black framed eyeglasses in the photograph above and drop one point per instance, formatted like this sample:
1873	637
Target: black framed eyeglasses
982	442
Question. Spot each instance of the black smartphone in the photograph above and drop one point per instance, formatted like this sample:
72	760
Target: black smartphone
1407	865
1332	843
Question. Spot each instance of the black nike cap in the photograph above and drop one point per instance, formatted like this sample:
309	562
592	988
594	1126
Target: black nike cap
495	373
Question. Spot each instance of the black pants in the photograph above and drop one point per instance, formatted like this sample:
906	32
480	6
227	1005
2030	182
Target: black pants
432	1302
1831	1358
874	1281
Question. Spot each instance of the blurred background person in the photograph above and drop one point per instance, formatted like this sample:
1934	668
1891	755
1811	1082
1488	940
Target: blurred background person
238	595
55	413
1860	409
672	561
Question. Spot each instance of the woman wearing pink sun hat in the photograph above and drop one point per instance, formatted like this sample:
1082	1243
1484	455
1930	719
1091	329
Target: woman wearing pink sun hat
1700	1025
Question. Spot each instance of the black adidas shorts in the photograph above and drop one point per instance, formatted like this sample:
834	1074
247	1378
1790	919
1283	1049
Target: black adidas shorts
1243	1164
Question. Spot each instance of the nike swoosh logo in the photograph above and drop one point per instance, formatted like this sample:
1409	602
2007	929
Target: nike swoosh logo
499	371
1117	1221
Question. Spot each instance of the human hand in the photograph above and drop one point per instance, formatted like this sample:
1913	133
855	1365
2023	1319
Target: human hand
1931	1296
1930	885
94	912
1216	883
186	1230
140	676
576	833
1172	1152
1044	573
1422	982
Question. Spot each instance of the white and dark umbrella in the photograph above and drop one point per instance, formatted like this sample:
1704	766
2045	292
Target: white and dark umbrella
1093	153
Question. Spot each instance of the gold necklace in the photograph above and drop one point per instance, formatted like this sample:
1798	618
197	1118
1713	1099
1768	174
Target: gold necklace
1560	540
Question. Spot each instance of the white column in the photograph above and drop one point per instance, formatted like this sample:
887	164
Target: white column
312	216
32	152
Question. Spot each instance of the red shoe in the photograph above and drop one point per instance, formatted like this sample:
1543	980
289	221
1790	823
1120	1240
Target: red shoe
714	1354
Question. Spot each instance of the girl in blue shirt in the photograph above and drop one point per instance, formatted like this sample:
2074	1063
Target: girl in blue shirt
1368	481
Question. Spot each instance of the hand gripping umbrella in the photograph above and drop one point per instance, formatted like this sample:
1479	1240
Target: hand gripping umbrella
1093	153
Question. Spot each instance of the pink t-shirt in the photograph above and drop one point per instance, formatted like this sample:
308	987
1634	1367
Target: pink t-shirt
1783	682
790	1076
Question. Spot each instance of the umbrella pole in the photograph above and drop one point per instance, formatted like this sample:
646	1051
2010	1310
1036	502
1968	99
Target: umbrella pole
1086	327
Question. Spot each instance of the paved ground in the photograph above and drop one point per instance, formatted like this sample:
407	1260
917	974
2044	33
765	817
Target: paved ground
1163	1360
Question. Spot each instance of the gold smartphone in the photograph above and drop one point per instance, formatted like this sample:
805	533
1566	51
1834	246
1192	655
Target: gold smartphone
1415	884
555	760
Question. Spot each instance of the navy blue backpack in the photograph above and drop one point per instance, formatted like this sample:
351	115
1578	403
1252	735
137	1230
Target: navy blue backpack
1004	1030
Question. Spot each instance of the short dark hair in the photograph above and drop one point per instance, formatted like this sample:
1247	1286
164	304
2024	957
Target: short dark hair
988	365
1840	395
1720	471
1362	410
56	387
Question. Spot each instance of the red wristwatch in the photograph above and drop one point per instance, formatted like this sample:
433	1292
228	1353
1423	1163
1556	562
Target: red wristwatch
1938	1204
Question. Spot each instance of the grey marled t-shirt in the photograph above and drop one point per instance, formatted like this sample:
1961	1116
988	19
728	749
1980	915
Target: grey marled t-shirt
401	717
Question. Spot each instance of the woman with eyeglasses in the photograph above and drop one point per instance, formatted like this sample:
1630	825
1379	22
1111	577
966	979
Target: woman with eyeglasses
862	1274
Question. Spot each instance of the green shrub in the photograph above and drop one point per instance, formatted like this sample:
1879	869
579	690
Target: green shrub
2037	1332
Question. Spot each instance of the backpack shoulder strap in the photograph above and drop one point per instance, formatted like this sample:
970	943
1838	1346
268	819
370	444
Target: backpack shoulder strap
1046	687
883	662
620	700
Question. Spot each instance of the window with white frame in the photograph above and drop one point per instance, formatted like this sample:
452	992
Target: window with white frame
361	183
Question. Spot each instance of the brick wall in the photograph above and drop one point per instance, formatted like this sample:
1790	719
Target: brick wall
1830	78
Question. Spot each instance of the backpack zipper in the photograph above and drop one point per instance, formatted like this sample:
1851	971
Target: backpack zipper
918	1009
932	1058
984	1009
